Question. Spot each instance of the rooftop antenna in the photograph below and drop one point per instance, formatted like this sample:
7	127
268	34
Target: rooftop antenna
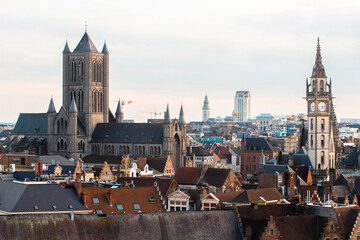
85	26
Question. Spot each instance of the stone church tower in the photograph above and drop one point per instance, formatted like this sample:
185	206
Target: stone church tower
206	110
85	99
86	80
322	123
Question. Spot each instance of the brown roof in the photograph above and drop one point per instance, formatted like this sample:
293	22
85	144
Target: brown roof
157	163
166	185
215	176
345	218
302	171
187	175
141	162
265	211
228	196
250	196
146	197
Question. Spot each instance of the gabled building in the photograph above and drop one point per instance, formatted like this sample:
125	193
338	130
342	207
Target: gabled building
220	180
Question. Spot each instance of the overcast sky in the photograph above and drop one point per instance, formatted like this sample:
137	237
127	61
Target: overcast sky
177	51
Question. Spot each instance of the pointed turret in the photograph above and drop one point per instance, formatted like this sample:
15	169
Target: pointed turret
66	48
86	45
167	119
206	103
73	108
105	49
181	116
318	69
119	113
51	108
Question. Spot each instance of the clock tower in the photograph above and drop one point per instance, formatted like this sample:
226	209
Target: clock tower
321	117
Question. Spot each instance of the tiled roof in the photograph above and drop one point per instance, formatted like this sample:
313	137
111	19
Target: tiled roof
128	133
299	160
17	197
166	185
54	159
110	159
250	196
157	163
199	151
146	197
228	196
187	175
31	123
259	144
215	177
272	169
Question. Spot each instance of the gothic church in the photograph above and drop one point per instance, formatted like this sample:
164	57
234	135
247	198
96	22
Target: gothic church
85	125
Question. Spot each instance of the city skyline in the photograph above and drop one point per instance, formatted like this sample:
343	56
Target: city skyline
169	53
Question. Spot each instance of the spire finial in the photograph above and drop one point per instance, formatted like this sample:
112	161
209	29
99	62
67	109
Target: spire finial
85	26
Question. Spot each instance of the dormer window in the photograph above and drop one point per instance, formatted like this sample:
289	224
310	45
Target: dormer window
71	207
36	208
54	207
96	201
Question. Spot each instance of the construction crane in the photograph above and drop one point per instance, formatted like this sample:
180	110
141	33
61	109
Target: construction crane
155	113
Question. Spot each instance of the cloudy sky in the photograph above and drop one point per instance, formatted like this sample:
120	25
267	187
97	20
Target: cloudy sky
177	51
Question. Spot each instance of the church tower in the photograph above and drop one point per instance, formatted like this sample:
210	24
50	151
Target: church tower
86	80
321	117
206	110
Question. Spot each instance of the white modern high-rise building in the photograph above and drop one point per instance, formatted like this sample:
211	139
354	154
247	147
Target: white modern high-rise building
242	106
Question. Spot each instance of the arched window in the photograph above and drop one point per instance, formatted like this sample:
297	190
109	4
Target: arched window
120	150
61	145
313	85
143	150
321	85
81	146
65	130
312	124
322	124
99	72
151	151
159	151
322	156
94	101
322	141
94	71
58	127
312	140
73	71
112	149
127	150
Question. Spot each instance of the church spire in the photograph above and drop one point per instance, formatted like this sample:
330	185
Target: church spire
318	69
51	108
66	48
167	119
182	117
86	45
73	108
105	49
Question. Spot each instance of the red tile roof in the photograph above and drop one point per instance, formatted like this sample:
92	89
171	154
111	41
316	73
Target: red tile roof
146	197
188	175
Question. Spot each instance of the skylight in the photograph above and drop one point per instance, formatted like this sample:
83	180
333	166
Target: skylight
136	206
96	201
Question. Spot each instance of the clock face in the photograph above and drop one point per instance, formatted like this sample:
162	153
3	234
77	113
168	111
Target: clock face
322	106
312	106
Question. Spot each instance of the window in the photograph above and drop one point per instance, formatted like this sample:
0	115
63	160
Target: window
312	124
136	206
71	206
322	155
36	207
322	140
272	232
322	124
54	207
99	212
254	158
119	207
96	201
312	140
248	158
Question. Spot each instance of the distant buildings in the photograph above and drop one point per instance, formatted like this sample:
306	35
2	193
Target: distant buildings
242	106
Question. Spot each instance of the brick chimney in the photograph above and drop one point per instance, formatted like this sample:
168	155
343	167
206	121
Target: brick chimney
38	168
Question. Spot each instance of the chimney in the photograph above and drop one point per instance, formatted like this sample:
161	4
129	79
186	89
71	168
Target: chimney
78	187
38	168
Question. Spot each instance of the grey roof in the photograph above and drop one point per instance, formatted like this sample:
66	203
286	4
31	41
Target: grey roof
54	159
318	69
299	160
31	123
182	117
157	163
258	144
86	45
105	49
66	48
51	108
352	159
4	132
73	108
214	177
199	151
119	109
167	119
128	133
272	169
18	197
